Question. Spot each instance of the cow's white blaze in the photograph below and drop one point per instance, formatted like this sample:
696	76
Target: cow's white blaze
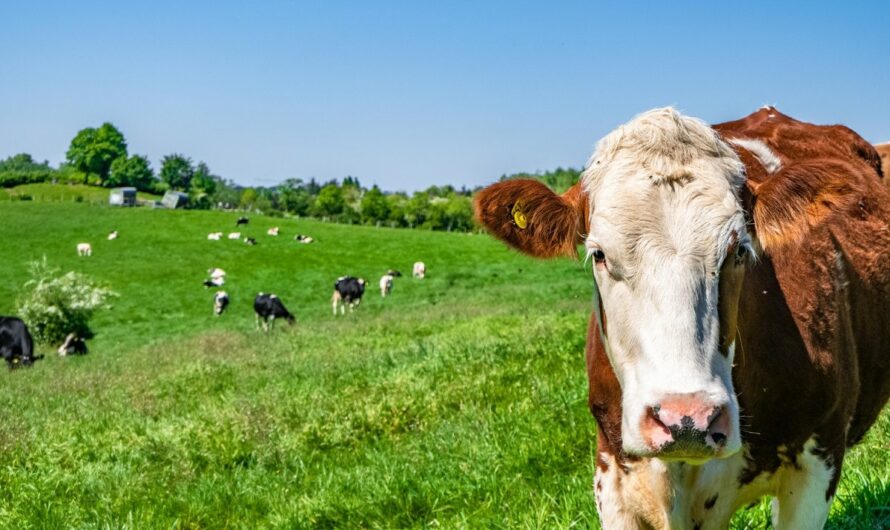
665	213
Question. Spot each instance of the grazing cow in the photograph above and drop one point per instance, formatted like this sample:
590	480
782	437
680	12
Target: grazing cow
717	377
385	284
16	344
419	270
268	308
84	249
215	236
234	235
242	221
884	151
112	236
73	345
272	231
250	241
348	291
216	272
220	302
300	238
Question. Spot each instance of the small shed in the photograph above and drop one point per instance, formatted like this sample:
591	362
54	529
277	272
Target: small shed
175	199
122	197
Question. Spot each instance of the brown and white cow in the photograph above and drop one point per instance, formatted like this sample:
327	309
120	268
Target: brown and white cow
739	339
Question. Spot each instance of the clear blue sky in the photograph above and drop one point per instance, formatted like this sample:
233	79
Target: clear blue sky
408	94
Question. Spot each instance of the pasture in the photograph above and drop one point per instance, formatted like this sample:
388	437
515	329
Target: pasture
457	402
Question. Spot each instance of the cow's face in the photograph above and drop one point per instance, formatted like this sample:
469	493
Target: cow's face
659	214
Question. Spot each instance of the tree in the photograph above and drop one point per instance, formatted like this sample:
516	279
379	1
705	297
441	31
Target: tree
227	193
248	198
374	206
131	171
459	212
92	151
330	201
294	197
203	180
22	169
417	209
396	203
351	182
177	171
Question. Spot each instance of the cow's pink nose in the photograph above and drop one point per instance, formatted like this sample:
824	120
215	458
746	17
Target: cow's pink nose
686	423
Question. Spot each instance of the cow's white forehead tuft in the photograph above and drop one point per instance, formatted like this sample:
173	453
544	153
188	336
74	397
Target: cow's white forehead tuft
664	183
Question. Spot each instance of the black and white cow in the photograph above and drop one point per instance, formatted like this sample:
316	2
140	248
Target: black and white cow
348	291
16	344
242	221
220	302
73	345
268	308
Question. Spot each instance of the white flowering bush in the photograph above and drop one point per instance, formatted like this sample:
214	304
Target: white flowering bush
54	305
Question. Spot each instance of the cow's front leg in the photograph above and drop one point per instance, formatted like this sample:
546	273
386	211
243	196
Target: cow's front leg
805	492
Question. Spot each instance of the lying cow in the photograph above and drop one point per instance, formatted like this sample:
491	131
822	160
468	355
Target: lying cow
348	291
112	236
234	235
242	221
16	344
73	345
249	241
217	278
220	302
272	231
84	249
717	377
419	270
300	238
268	308
214	236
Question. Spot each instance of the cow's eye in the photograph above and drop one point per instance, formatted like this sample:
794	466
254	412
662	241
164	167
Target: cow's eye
741	252
598	256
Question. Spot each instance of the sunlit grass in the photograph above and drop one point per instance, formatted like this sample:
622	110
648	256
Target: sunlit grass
460	402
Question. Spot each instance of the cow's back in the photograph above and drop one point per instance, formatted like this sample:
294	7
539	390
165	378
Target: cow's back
815	311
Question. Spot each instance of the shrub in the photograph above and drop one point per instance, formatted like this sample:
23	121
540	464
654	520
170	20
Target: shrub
54	304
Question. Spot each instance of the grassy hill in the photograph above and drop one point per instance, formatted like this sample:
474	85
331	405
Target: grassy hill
459	402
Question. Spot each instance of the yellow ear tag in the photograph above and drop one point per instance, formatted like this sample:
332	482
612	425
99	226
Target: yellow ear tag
518	216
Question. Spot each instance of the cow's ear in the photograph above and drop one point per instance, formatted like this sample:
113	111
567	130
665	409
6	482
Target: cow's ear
528	216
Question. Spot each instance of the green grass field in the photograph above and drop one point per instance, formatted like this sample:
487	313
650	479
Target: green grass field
458	402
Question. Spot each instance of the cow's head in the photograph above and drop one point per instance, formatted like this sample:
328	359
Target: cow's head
659	213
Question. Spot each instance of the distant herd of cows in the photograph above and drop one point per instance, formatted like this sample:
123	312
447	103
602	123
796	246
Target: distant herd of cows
17	345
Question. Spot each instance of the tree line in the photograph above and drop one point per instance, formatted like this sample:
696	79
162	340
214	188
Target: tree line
100	157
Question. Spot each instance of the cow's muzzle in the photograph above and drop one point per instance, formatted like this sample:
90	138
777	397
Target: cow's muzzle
687	427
